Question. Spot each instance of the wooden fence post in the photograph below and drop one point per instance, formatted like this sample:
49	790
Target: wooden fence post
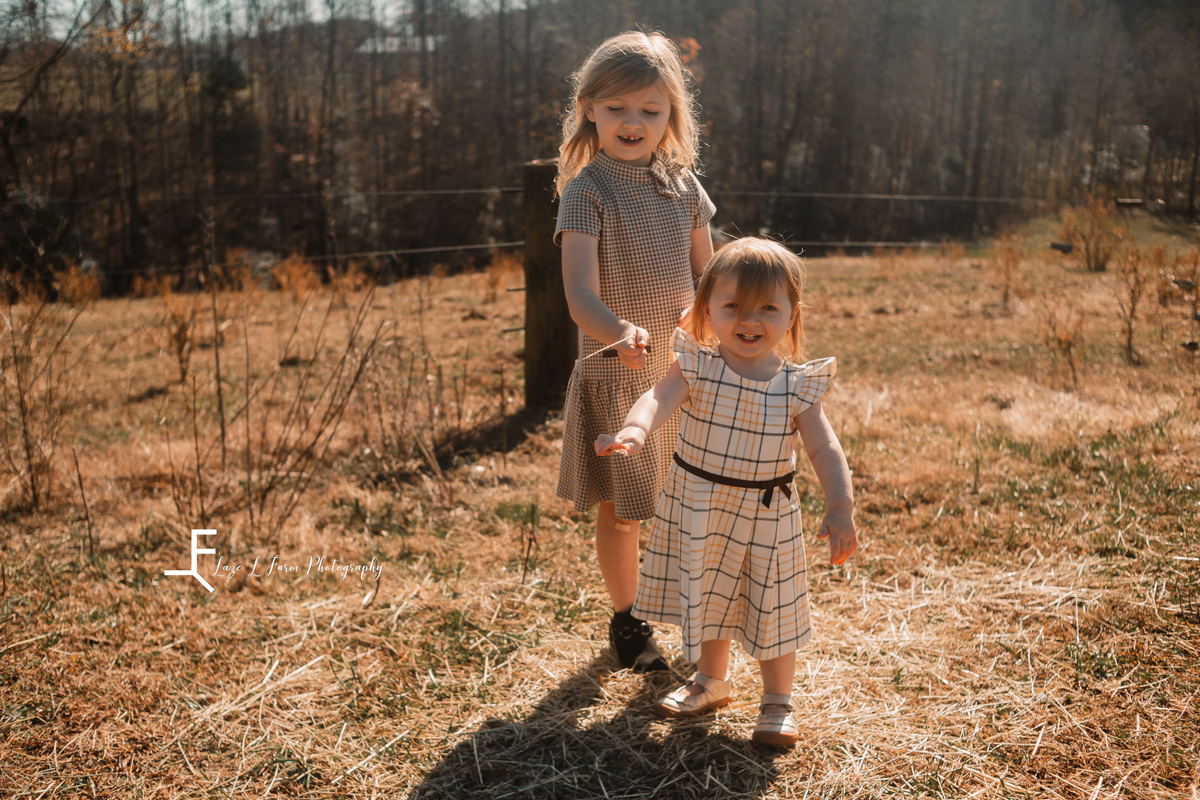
551	338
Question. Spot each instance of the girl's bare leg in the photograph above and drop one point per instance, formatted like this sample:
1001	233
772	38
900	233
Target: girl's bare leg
617	552
778	673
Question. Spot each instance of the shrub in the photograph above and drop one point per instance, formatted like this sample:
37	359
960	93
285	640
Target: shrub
76	287
1064	333
1091	231
296	276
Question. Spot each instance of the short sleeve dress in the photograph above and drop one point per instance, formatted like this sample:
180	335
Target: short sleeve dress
719	564
643	217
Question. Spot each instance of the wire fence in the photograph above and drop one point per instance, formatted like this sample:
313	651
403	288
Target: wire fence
453	248
512	190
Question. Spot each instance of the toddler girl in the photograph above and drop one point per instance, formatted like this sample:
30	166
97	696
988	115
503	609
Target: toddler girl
726	558
633	227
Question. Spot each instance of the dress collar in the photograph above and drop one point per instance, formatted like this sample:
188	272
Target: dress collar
661	173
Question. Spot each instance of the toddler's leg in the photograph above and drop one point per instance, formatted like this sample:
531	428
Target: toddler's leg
714	658
617	551
709	687
778	673
776	724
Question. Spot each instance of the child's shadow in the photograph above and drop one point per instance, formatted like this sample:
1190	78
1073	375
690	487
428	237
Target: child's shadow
555	753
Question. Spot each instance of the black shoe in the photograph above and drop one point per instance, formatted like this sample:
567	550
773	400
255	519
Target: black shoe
632	640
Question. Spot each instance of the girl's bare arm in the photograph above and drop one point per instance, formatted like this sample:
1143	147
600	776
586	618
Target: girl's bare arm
829	462
581	280
649	412
699	255
702	250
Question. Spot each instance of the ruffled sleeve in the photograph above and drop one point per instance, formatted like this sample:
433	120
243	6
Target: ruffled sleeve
813	380
687	353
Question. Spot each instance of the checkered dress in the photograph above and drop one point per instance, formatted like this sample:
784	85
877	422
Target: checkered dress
720	564
643	217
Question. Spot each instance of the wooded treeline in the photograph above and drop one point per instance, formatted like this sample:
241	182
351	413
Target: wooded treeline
143	136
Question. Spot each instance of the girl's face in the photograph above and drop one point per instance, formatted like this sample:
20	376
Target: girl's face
632	126
752	333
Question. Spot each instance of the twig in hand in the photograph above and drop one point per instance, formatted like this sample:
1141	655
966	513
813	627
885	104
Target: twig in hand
86	515
608	347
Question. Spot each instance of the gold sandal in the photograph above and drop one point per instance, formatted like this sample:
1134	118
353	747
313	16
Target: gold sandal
776	723
682	704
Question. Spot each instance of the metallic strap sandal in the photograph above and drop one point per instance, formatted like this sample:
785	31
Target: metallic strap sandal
682	704
776	724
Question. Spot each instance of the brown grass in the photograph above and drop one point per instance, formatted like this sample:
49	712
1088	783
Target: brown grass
1023	619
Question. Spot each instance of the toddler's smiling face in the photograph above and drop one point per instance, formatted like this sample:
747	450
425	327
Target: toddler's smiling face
750	328
631	126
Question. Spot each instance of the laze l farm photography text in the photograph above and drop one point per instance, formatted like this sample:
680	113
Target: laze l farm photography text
263	567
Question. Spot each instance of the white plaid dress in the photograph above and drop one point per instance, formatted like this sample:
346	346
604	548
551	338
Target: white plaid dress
644	218
719	564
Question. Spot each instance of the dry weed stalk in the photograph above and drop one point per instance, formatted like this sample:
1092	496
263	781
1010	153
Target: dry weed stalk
1163	290
348	281
280	460
308	427
1064	333
1091	230
152	285
1134	276
886	258
505	268
179	324
1006	266
38	385
76	287
296	276
951	252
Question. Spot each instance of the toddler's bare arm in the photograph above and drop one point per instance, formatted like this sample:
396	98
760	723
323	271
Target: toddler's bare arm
649	412
829	462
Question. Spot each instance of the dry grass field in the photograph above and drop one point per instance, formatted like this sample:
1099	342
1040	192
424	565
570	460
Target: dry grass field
1022	618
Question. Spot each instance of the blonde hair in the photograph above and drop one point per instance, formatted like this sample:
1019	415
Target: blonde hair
626	63
758	266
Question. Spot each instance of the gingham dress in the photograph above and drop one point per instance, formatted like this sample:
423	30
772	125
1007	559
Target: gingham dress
719	564
643	217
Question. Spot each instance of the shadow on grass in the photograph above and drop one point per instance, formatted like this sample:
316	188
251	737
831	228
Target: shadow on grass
554	753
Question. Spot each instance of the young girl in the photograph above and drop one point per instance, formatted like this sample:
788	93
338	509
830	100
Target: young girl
633	227
726	558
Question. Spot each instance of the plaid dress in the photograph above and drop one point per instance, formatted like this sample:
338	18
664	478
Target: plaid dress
644	218
720	564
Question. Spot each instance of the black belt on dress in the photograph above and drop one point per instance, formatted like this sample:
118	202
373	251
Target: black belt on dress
784	482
